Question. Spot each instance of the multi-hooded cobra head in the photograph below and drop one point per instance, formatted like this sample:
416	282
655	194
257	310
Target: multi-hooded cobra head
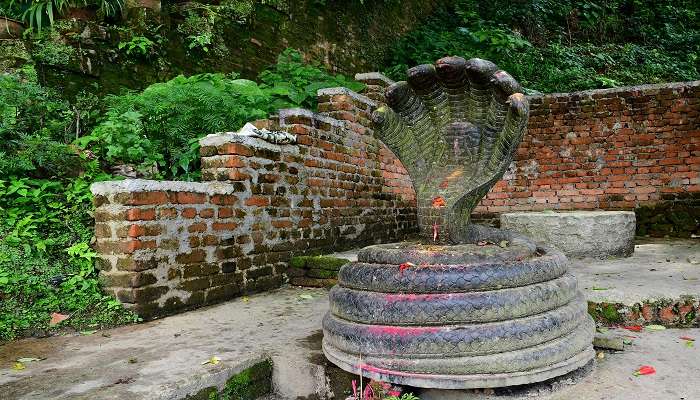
455	126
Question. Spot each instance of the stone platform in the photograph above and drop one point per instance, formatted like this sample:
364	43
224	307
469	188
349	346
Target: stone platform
163	359
579	234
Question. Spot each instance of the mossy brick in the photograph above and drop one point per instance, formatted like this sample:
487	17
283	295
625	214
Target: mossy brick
298	262
321	273
194	270
249	384
210	393
258	272
127	279
196	284
326	263
222	293
295	272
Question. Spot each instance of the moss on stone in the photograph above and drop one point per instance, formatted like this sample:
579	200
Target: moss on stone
250	383
209	393
689	318
321	273
318	263
327	263
610	313
298	262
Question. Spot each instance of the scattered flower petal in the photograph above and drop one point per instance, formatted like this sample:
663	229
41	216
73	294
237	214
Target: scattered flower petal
57	318
687	338
213	361
405	265
245	299
18	366
645	370
439	202
633	328
25	360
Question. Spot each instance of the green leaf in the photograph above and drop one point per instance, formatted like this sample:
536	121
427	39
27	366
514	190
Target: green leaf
655	327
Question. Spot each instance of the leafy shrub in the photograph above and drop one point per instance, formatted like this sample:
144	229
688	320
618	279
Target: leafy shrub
34	129
45	221
47	164
160	126
40	13
561	46
46	264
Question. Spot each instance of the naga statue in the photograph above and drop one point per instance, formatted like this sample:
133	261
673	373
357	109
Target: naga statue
466	306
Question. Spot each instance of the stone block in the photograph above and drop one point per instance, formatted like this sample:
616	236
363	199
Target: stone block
579	234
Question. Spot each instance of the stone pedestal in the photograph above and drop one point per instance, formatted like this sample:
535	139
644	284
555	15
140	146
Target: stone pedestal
458	316
579	234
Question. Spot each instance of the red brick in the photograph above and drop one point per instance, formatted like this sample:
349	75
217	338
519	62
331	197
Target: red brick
189	198
206	213
144	198
257	201
140	214
224	226
235	148
188	213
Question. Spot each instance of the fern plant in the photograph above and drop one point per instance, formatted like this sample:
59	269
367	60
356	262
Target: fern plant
37	13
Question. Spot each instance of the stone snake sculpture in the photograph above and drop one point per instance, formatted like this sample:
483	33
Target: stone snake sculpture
455	126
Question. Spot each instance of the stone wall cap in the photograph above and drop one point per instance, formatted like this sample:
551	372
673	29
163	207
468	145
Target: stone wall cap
567	213
345	91
147	185
302	112
374	76
218	139
621	89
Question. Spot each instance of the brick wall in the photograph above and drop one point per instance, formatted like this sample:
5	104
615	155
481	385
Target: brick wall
606	149
166	246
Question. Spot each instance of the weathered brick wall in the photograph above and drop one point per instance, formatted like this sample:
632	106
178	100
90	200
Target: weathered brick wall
166	246
606	149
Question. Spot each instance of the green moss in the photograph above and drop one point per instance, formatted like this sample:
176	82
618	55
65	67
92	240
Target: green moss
610	314
325	262
321	273
250	383
298	262
689	318
209	393
319	263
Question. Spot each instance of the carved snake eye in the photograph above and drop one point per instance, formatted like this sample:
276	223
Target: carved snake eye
455	126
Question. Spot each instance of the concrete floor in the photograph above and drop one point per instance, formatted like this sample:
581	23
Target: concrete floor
162	359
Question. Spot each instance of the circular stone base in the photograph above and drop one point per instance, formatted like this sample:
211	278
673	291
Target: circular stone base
501	312
519	392
355	365
579	234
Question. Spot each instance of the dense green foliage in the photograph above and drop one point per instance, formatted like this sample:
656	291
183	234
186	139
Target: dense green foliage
52	150
41	13
559	46
46	264
157	130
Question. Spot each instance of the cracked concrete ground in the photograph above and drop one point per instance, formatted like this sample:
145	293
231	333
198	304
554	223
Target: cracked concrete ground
658	269
162	359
